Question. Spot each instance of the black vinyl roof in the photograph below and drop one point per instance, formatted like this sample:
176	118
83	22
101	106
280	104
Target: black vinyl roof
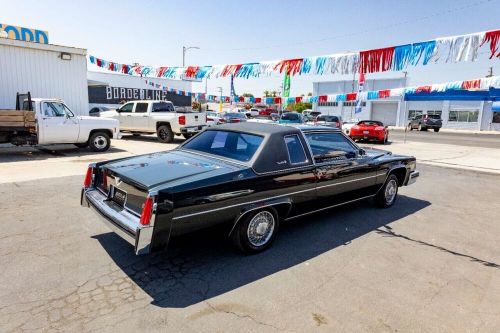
269	129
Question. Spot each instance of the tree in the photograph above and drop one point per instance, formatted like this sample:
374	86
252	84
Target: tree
309	94
299	107
274	93
267	93
247	95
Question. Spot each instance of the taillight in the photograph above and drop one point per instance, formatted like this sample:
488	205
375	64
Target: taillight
182	120
87	182
147	211
337	124
379	128
210	119
105	179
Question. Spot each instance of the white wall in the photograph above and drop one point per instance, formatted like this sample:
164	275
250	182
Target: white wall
129	81
38	68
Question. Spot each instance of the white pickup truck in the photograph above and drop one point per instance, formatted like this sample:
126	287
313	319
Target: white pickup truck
156	116
42	121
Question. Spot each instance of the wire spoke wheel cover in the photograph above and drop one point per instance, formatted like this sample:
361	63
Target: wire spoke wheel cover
390	191
261	228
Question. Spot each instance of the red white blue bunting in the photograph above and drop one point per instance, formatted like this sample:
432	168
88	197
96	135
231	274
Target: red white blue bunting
396	58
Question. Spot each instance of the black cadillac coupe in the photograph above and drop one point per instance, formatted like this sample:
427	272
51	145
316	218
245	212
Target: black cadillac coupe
249	176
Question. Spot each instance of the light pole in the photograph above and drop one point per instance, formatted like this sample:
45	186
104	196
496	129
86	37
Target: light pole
184	49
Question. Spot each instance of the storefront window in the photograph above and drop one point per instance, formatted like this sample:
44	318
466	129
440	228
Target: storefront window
413	113
463	116
435	112
496	118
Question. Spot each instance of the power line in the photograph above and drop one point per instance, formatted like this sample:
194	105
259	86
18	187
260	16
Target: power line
384	27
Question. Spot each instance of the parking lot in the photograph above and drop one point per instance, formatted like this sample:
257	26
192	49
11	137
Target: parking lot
431	263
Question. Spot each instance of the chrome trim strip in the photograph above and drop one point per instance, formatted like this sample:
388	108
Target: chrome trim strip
413	177
270	198
325	208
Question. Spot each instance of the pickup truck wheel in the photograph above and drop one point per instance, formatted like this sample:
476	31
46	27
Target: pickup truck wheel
165	134
99	142
82	144
386	196
256	231
436	130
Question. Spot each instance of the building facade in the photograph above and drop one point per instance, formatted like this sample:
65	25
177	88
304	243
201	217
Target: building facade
45	70
459	109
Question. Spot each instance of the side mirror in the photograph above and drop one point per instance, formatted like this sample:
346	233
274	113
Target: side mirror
119	110
362	151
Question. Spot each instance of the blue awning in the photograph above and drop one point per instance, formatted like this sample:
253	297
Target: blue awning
495	107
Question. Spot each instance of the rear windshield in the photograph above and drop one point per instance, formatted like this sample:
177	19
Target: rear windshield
332	119
434	116
163	107
290	116
234	115
370	123
233	145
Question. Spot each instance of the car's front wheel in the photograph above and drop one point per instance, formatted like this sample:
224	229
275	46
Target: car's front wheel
386	196
99	142
436	130
256	231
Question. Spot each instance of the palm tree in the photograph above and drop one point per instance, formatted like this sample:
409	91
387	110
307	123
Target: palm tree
266	93
274	92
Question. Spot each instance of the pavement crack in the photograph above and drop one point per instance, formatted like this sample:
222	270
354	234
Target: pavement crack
443	249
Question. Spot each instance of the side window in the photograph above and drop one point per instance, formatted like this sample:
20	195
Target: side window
141	107
53	109
127	107
295	149
326	146
162	107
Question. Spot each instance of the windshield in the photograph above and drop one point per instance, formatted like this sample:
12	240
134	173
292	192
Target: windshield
234	115
434	116
290	116
331	119
233	145
370	123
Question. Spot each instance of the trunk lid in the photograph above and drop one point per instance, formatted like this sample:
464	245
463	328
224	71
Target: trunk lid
129	180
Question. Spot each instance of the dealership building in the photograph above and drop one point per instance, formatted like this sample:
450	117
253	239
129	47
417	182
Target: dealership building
459	109
53	71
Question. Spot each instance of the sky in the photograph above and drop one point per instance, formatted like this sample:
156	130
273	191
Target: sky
227	32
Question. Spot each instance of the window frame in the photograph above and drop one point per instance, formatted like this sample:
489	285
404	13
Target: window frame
306	161
137	104
348	140
131	110
468	111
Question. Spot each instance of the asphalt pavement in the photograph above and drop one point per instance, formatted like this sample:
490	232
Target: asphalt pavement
431	263
450	138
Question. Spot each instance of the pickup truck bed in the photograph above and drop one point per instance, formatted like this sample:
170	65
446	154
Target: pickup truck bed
17	119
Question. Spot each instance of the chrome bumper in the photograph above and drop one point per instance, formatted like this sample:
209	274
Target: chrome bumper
119	220
412	178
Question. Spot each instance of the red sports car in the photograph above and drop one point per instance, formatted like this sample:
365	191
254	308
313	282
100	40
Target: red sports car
370	130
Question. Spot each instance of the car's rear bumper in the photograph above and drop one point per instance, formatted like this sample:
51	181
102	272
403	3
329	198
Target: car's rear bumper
412	177
432	125
119	220
366	137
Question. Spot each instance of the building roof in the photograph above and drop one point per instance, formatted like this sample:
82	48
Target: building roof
44	47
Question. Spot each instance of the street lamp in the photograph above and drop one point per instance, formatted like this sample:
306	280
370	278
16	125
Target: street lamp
184	49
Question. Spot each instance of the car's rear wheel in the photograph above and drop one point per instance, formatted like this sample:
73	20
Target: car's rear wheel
436	130
256	231
410	127
386	196
165	134
99	142
420	128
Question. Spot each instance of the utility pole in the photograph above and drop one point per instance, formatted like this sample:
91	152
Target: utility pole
220	98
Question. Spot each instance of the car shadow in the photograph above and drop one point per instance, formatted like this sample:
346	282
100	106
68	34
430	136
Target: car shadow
149	138
10	153
203	265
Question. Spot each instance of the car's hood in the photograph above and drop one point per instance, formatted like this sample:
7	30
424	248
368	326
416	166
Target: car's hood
168	168
98	121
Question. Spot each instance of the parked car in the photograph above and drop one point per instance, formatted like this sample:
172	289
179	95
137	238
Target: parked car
254	112
267	111
291	118
275	116
347	125
43	121
234	117
331	121
96	111
247	177
157	116
370	130
310	115
426	121
214	118
262	119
